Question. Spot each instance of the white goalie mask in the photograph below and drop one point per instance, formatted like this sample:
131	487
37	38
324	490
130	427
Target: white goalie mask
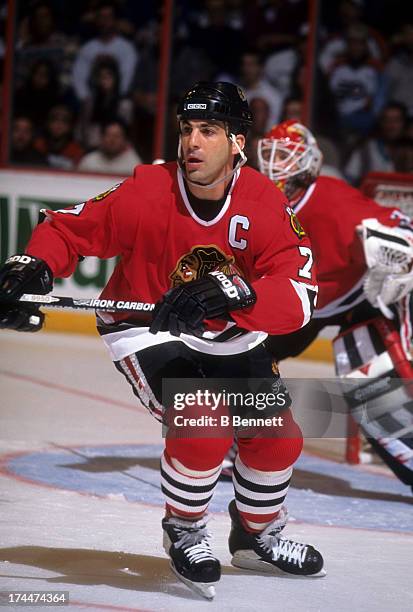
289	155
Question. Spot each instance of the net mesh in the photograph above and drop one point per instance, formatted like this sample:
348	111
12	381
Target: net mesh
390	189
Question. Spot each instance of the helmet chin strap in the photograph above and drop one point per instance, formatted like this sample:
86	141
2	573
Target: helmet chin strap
240	163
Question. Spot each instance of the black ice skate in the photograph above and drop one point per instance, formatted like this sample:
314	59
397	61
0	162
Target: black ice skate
186	543
270	553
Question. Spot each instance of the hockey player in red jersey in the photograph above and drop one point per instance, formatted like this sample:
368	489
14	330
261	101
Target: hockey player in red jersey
364	256
215	245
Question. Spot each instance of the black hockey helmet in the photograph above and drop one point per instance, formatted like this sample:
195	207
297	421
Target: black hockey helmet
221	101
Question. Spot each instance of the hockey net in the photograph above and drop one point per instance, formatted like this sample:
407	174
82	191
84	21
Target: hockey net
390	189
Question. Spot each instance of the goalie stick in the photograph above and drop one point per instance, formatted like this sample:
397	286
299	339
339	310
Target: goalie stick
57	301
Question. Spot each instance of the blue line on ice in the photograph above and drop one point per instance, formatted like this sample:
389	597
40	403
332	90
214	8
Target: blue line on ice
322	491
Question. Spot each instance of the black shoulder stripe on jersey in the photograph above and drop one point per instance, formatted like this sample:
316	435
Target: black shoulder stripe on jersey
312	295
387	237
353	296
231	333
119	326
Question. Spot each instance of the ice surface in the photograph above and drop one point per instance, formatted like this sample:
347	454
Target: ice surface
81	508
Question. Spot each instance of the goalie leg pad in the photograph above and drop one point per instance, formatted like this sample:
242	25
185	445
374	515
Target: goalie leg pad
380	394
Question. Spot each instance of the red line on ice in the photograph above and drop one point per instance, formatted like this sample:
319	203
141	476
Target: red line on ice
71	391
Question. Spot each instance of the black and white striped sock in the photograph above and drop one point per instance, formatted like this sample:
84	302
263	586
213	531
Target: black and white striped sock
259	495
188	492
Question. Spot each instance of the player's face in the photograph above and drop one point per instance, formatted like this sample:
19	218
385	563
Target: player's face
282	157
206	151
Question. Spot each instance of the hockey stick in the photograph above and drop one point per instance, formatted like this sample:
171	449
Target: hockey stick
57	301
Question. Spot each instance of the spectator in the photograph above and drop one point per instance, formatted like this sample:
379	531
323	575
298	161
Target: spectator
236	14
260	116
399	71
145	89
115	154
292	109
331	158
273	25
323	99
58	145
214	34
104	103
38	29
257	86
347	14
357	85
377	153
107	43
22	150
39	38
403	156
279	68
39	93
283	65
260	113
188	65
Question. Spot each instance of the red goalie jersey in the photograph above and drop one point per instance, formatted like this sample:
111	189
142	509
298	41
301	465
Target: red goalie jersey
330	211
148	221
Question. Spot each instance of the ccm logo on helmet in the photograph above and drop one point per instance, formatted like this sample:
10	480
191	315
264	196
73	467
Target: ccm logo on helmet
24	259
196	106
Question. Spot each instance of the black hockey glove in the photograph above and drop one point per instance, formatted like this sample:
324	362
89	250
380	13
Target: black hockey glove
23	274
214	296
24	317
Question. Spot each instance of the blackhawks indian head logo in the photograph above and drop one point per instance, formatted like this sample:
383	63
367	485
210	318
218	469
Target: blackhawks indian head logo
199	261
295	224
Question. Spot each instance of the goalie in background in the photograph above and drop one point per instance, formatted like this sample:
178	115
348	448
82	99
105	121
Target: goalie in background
364	256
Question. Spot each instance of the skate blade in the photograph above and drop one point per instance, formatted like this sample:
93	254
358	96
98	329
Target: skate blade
239	560
206	589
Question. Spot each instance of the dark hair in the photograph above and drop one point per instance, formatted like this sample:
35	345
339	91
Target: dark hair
106	63
398	106
109	4
117	121
23	117
256	52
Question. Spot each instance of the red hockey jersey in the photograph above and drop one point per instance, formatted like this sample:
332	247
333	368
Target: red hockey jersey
330	210
148	221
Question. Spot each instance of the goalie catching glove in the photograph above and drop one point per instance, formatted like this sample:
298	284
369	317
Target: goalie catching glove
183	309
23	274
389	258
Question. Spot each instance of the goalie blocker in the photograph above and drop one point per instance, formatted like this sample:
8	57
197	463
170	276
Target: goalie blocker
381	391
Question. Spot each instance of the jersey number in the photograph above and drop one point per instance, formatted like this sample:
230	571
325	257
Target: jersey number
75	210
305	271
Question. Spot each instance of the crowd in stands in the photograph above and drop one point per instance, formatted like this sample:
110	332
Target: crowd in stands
86	74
